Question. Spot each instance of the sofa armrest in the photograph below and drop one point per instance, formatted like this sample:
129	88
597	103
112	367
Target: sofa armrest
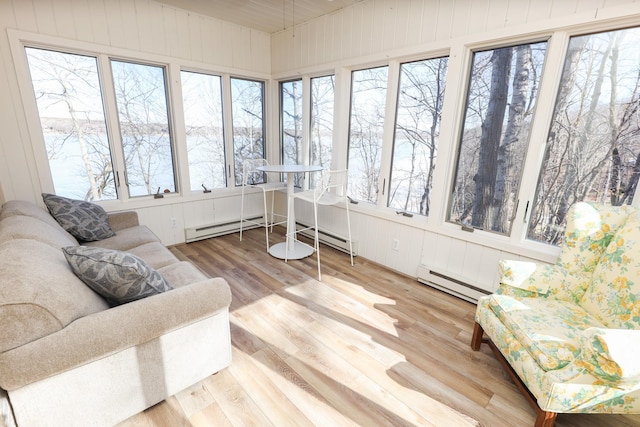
107	332
610	354
121	220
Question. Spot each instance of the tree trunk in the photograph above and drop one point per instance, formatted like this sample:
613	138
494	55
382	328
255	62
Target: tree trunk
491	134
517	110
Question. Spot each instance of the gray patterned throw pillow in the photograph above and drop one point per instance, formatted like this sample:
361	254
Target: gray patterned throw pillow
86	221
118	276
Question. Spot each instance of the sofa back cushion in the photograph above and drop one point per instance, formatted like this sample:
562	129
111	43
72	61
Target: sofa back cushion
614	293
22	207
28	227
589	229
39	294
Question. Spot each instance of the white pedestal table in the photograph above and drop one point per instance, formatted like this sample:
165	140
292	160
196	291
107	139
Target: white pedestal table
295	249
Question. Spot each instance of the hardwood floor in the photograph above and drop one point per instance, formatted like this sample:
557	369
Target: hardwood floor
364	347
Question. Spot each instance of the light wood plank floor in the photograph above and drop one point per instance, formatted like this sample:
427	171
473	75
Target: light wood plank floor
364	347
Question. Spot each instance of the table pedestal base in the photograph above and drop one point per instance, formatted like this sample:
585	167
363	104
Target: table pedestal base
299	251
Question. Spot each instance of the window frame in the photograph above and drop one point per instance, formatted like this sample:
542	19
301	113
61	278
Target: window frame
19	40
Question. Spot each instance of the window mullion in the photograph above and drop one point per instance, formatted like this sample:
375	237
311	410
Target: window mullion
388	132
179	128
552	73
228	131
113	126
306	121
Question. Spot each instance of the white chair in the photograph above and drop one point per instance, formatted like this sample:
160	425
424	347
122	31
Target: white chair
253	178
330	190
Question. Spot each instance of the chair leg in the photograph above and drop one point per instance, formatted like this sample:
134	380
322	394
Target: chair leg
273	198
476	339
241	212
546	419
316	241
266	218
349	231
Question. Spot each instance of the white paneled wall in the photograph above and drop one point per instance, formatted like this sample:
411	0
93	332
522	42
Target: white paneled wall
137	26
368	32
376	31
380	28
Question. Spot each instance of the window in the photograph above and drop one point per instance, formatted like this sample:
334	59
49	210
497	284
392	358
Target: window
69	99
368	98
420	96
291	124
247	103
322	100
503	88
593	151
202	104
145	130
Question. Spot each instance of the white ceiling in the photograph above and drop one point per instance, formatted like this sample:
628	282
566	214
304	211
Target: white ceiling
265	15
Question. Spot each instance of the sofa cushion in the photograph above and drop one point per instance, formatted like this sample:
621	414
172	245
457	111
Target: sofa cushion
182	273
155	254
614	293
549	329
84	220
28	227
39	294
126	239
118	276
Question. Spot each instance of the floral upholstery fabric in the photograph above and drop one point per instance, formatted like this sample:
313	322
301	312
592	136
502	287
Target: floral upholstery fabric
527	279
571	331
611	354
547	328
590	228
614	294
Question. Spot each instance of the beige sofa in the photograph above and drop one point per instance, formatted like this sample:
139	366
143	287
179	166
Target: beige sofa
69	359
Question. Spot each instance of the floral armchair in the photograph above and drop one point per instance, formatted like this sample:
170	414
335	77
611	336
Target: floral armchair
569	333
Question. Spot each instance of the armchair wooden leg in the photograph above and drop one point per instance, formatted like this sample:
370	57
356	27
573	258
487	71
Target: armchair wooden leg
545	419
476	339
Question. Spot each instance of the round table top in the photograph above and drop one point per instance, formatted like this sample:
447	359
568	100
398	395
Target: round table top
289	168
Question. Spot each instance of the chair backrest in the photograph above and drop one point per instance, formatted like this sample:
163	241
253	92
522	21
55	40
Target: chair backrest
333	182
250	173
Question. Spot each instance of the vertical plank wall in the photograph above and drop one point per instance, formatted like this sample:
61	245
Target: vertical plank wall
376	31
136	25
366	32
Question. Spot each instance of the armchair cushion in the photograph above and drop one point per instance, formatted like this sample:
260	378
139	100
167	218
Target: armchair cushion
611	354
548	329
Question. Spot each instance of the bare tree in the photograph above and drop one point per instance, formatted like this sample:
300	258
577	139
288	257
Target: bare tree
144	125
491	136
248	122
70	81
592	150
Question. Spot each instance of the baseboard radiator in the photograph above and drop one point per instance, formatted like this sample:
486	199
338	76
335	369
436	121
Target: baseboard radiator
206	231
450	285
329	239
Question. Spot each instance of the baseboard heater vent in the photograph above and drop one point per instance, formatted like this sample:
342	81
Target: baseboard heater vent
217	229
329	239
451	285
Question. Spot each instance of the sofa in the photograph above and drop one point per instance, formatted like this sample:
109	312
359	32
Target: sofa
569	333
71	357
